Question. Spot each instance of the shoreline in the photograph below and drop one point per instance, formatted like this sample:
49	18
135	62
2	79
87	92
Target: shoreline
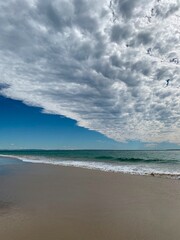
25	159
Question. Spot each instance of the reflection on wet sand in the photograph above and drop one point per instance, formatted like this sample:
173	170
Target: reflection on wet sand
5	207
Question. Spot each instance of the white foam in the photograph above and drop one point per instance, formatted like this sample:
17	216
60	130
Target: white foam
102	166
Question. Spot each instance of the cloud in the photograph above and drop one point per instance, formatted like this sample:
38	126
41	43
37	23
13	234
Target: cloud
102	63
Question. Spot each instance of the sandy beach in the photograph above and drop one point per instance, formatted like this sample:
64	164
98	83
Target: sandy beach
42	202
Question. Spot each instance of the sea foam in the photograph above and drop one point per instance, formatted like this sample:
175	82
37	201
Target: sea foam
102	166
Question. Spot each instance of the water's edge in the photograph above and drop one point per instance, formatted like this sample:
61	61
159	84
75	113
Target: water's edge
101	166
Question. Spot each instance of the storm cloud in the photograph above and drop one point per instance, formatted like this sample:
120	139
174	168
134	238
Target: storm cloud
102	63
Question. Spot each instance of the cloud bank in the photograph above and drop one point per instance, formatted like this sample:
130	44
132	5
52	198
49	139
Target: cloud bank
103	63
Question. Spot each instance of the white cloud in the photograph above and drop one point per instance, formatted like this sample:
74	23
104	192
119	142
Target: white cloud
102	63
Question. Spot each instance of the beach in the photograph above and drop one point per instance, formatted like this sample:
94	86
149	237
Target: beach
41	201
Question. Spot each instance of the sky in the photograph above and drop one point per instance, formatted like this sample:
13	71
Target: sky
90	74
26	127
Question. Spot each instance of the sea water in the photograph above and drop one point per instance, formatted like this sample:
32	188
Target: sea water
162	163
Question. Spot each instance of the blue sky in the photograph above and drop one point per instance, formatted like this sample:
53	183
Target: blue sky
112	66
22	126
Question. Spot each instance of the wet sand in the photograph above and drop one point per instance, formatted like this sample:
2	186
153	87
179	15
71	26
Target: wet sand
43	202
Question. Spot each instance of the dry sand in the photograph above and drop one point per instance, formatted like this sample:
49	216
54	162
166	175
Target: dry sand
43	202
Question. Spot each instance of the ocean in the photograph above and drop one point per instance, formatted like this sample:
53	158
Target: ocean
161	163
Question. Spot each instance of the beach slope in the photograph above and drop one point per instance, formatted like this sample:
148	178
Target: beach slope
42	202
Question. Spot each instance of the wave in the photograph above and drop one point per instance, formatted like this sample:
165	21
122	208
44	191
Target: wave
141	160
102	166
137	160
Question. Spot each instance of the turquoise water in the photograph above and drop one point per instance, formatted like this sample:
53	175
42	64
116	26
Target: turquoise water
134	162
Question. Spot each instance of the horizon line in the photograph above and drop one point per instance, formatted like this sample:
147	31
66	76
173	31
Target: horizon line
89	149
